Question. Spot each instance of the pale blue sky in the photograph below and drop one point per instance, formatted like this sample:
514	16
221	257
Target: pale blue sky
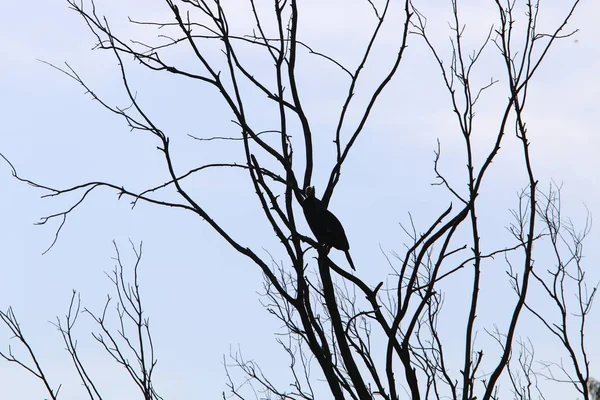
199	294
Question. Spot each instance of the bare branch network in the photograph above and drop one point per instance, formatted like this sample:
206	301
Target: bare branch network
347	338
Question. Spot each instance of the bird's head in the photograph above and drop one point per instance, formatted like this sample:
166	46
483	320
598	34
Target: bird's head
309	191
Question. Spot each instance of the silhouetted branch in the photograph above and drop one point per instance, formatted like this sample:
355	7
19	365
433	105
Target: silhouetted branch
382	339
9	319
66	331
131	344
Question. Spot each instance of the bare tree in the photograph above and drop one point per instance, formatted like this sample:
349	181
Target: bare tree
389	339
126	339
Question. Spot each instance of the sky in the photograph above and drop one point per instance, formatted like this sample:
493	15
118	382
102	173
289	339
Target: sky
201	296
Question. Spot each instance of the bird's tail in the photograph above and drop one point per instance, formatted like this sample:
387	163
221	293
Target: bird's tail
349	259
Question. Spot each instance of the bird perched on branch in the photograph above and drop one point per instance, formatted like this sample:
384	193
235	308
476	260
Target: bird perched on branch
325	226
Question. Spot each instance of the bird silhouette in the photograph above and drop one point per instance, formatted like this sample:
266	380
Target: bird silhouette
324	225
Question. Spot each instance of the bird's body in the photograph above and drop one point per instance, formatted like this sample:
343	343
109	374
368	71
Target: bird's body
324	225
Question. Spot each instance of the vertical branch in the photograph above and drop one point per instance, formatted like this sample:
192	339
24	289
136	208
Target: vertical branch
516	86
319	347
132	337
338	328
66	332
291	185
306	130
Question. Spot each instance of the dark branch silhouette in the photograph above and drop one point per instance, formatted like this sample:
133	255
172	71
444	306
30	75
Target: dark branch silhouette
389	338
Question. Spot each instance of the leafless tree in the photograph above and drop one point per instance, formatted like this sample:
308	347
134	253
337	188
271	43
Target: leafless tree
127	339
389	339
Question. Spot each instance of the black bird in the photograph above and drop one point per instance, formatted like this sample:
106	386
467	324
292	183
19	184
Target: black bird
325	226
